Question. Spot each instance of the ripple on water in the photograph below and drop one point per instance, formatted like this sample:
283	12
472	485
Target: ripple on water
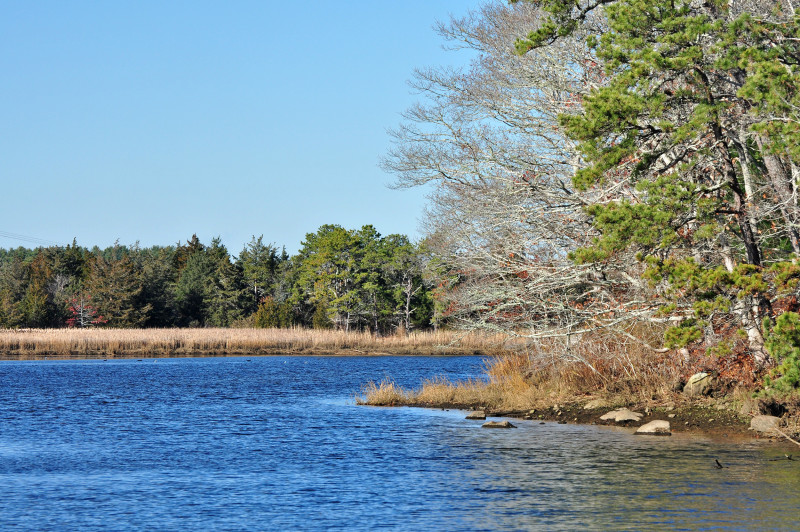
277	443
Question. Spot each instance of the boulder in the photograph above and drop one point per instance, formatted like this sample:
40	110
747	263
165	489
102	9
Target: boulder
498	425
765	424
620	415
595	403
659	427
476	414
698	384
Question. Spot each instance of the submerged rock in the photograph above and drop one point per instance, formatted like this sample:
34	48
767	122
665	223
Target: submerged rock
620	415
698	384
476	414
498	425
658	427
766	424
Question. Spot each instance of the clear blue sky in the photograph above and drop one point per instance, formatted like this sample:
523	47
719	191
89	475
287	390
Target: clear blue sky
153	120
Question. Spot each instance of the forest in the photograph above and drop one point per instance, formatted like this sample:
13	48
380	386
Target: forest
343	279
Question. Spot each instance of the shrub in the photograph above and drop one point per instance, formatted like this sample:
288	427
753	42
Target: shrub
273	315
783	343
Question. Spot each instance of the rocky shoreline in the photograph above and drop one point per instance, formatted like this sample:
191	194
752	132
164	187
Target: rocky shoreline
707	418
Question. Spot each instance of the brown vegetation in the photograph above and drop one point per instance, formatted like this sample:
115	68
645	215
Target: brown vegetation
22	344
545	374
543	383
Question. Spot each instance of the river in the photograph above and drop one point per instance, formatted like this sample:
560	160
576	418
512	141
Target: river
277	443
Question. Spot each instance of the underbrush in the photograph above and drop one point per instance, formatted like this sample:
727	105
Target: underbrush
614	368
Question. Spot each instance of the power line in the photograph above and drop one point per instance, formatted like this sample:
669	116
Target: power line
29	239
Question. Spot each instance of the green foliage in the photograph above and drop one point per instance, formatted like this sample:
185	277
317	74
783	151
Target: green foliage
115	286
362	279
192	290
694	101
261	265
321	320
273	314
783	343
682	335
722	349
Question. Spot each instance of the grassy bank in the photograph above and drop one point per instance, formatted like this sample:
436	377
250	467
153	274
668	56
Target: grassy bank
31	344
596	378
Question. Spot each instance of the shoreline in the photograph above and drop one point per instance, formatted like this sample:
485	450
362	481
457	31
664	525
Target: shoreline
270	352
713	421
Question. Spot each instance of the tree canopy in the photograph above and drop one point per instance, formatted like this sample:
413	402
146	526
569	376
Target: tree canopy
614	165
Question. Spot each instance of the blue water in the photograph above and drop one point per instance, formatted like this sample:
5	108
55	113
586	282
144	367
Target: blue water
278	444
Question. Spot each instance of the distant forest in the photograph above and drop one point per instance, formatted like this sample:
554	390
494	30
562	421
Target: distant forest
340	278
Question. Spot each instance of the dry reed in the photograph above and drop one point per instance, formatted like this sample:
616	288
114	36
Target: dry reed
107	343
550	372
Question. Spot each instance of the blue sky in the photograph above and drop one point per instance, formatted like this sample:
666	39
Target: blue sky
150	121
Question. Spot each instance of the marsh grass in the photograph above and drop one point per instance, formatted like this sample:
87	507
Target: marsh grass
549	372
107	343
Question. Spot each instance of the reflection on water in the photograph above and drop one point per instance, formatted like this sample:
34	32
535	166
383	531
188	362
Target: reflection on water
277	443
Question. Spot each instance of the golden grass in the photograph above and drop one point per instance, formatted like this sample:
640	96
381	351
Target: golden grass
549	372
105	343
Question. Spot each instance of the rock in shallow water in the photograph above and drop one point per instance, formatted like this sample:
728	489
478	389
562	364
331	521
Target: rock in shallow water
620	415
765	424
659	427
476	414
498	425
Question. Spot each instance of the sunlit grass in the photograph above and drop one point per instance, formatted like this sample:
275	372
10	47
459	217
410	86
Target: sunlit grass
547	373
34	343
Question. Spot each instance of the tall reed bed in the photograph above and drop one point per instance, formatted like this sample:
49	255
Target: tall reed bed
76	343
548	371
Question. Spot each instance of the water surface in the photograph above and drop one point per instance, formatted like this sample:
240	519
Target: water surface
278	443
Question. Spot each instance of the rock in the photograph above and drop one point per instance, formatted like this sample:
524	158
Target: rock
670	416
476	414
498	425
765	424
659	427
595	403
698	384
620	415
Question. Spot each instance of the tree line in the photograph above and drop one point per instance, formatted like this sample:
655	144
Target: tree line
618	166
340	278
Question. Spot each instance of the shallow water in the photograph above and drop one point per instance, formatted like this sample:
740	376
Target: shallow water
278	443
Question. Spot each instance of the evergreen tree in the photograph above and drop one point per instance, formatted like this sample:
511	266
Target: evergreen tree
273	314
13	287
192	290
261	264
115	287
226	293
694	151
326	274
158	274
